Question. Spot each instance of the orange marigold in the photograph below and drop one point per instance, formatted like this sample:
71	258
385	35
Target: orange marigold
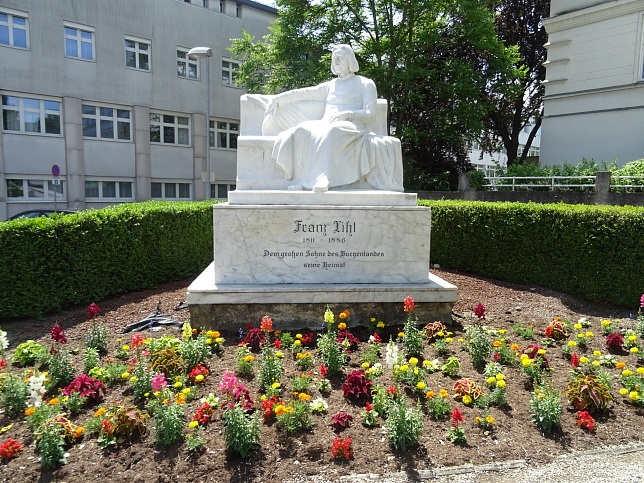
30	410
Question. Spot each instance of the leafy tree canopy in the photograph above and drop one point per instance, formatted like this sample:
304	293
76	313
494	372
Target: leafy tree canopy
433	60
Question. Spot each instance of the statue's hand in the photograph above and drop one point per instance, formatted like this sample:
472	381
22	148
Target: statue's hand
341	116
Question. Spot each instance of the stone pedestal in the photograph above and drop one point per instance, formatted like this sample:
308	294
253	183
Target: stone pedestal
289	261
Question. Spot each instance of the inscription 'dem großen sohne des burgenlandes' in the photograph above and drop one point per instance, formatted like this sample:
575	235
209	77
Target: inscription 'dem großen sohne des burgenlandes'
334	232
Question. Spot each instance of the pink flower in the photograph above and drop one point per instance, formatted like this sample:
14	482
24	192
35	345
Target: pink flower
409	304
159	382
642	301
228	381
479	311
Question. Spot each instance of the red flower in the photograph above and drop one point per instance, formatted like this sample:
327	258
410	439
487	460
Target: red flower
376	338
479	311
93	310
57	334
323	370
340	448
267	324
574	360
585	420
368	406
10	449
392	390
615	341
457	417
409	304
137	340
277	344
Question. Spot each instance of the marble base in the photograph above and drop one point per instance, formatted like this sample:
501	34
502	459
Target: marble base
332	197
227	307
275	244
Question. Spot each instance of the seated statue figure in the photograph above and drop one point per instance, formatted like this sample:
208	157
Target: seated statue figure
338	150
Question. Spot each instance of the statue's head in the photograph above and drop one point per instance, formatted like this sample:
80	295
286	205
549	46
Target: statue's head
347	52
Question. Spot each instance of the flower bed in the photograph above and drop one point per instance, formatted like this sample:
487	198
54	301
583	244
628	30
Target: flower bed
340	400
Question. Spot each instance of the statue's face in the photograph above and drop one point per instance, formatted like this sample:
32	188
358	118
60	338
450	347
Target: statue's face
340	64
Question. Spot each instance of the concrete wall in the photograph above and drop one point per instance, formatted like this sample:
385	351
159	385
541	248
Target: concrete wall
594	98
43	71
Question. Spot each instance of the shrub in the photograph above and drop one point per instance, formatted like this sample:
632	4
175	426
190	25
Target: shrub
28	353
14	392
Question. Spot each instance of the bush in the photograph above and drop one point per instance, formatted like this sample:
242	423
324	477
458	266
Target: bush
101	252
582	250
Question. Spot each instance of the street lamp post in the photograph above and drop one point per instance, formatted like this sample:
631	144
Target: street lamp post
205	53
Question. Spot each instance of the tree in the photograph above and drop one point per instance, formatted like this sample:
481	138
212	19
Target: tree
432	60
519	23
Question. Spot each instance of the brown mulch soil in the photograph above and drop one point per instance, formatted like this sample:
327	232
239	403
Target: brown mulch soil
285	457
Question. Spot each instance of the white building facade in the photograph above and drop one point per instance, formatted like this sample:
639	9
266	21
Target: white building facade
107	92
594	99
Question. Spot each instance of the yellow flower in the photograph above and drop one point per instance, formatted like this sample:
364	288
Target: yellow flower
413	361
627	372
526	362
501	383
263	397
606	323
448	340
420	385
489	420
596	363
578	326
401	334
597	353
589	334
279	354
297	342
276	385
219	340
199	378
404	368
303	396
502	331
426	363
298	336
125	375
133	379
583	360
126	347
514	347
193	424
632	338
467	399
380	324
79	430
541	351
523	357
157	393
623	391
209	341
572	343
372	319
181	398
429	394
634	350
99	412
365	365
500	377
491	380
497	343
186	390
634	395
477	419
178	384
443	393
580	336
342	325
460	340
640	370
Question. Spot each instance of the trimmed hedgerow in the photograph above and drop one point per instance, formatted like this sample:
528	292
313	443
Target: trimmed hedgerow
52	263
591	251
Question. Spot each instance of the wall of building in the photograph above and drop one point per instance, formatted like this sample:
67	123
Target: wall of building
594	98
43	71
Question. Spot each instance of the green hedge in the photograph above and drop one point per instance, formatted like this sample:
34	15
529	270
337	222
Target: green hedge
594	252
52	263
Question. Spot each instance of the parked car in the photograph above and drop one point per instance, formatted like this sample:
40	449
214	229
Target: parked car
37	213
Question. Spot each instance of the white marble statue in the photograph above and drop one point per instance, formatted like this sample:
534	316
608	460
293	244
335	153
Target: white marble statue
338	150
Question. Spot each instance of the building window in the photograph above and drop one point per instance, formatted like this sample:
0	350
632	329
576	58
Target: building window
108	190
238	10
14	29
169	129
137	54
170	191
222	6
25	115
229	72
220	191
79	42
223	134
35	189
187	66
107	123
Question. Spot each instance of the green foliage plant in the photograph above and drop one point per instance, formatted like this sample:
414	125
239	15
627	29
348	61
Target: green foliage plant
546	407
241	431
14	392
97	337
168	423
478	344
91	359
437	406
301	382
589	392
412	340
195	351
28	353
330	351
168	361
295	420
61	369
271	368
141	380
50	443
404	425
244	361
451	366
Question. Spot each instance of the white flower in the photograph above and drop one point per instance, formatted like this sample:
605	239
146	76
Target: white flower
391	355
37	388
4	342
318	405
